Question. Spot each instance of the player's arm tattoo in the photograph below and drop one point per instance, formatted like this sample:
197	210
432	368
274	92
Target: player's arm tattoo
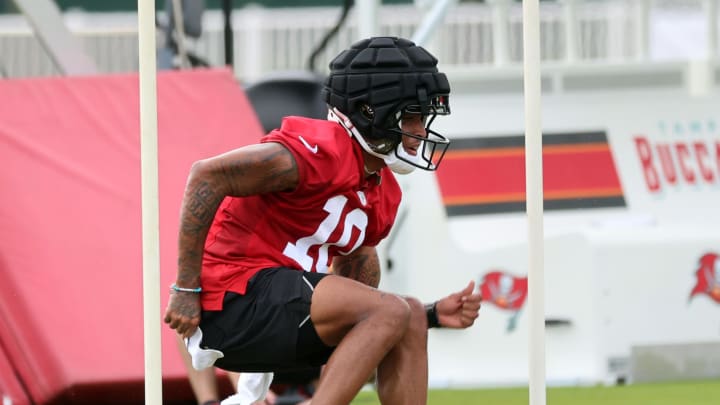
263	168
247	171
362	265
199	205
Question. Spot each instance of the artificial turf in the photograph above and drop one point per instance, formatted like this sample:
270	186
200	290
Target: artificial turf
674	393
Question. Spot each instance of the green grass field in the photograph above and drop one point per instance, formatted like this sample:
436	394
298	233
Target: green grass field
681	393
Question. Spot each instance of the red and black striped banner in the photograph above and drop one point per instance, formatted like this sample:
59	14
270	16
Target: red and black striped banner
487	175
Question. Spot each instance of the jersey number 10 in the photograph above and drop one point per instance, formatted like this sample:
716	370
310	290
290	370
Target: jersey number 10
300	250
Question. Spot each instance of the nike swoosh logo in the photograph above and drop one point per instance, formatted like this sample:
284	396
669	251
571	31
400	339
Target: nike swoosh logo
312	149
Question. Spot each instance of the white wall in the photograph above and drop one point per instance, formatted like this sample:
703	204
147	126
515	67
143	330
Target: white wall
621	276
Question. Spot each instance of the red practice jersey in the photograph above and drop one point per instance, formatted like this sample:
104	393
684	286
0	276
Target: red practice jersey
333	210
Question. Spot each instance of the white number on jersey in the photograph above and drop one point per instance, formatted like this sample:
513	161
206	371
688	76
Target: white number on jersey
300	250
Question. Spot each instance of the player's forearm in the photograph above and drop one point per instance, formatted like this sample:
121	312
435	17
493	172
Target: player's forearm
200	203
362	265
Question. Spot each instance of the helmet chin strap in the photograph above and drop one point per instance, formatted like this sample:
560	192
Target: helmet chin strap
401	166
395	164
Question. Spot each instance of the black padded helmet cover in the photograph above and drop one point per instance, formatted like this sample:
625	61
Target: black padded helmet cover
376	78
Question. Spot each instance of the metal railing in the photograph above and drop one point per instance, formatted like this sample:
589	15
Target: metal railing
473	35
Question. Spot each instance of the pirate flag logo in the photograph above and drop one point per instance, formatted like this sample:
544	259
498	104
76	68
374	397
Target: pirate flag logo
506	292
708	277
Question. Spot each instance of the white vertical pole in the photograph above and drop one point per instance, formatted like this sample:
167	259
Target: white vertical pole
150	205
642	29
367	18
500	19
534	196
711	12
251	27
570	17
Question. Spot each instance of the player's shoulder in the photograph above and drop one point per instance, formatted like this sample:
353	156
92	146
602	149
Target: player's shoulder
298	124
324	153
310	127
321	138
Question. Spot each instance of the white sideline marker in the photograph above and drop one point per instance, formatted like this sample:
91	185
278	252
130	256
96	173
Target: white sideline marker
534	198
150	204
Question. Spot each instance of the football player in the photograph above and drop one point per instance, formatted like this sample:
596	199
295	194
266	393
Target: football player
260	226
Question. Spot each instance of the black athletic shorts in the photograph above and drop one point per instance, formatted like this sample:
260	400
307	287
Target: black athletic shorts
269	328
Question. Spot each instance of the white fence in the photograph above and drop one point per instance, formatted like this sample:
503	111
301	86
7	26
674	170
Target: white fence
473	35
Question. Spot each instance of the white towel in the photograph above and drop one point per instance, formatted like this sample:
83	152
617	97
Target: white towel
252	387
201	358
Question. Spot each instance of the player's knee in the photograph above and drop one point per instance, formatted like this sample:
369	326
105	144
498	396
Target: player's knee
397	313
418	319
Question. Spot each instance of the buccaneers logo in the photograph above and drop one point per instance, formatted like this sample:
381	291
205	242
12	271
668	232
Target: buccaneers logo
708	277
506	292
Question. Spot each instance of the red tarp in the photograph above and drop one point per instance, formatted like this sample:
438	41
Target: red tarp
71	315
10	387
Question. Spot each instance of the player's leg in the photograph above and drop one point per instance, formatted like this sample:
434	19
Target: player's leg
406	362
234	378
365	324
259	331
202	382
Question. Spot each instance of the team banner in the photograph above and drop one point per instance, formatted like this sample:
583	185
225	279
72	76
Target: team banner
578	169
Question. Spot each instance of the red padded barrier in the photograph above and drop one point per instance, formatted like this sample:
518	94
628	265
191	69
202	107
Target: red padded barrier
11	390
70	224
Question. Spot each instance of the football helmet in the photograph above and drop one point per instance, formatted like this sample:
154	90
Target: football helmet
374	84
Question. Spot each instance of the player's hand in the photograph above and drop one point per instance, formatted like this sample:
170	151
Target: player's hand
459	310
183	312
